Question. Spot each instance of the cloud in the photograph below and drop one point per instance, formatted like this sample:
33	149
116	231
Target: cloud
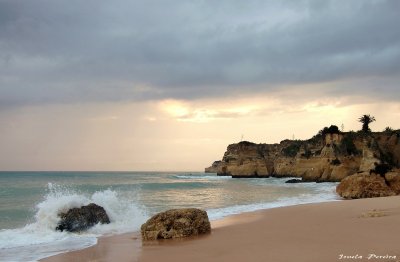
63	52
209	110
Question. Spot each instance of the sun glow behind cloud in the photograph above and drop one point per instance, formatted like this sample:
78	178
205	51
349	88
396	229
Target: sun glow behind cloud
204	111
167	134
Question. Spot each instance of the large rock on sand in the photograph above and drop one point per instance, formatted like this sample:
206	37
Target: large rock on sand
79	219
176	223
364	185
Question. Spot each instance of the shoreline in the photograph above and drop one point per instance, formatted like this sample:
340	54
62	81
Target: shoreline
348	230
108	248
102	250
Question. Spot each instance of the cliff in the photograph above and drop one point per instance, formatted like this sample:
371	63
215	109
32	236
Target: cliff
327	157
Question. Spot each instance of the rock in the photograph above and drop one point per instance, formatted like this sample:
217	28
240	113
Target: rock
244	159
369	160
295	181
176	223
79	219
393	180
213	168
363	185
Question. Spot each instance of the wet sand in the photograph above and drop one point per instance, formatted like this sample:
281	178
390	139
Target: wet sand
354	230
125	247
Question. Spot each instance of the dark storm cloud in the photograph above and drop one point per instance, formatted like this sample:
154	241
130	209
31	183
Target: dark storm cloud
77	51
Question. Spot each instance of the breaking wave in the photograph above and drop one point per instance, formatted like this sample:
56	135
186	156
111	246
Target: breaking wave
39	238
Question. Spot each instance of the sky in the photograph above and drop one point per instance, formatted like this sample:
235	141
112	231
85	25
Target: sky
168	85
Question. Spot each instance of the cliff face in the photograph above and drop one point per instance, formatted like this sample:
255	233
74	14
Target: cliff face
328	157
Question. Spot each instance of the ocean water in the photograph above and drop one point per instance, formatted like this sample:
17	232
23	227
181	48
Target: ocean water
30	202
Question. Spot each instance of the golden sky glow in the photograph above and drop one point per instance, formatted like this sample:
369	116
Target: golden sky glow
165	135
127	85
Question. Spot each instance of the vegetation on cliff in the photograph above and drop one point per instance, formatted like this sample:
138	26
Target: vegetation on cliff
347	145
292	149
329	130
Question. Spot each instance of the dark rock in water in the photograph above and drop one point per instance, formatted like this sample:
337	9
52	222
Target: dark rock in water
79	219
176	223
295	181
249	176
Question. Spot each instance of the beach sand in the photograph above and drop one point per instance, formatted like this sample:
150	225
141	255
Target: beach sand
349	230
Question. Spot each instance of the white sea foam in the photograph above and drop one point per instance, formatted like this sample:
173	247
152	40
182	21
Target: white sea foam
325	193
39	239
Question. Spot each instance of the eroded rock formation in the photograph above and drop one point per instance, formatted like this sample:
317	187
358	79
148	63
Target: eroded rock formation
328	157
176	223
393	181
364	185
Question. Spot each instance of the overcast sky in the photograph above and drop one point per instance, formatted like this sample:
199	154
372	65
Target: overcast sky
167	85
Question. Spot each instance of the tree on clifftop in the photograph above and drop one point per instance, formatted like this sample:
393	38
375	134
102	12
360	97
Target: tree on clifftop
329	130
366	120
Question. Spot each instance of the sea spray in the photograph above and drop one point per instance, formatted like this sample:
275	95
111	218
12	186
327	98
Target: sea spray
125	214
59	199
129	198
39	239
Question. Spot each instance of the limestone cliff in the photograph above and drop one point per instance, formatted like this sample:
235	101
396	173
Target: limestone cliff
213	168
325	157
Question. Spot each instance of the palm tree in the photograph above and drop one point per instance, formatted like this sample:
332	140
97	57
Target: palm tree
366	120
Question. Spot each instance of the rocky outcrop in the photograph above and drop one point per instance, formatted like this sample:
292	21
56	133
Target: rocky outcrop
393	181
79	219
176	223
294	181
213	168
364	185
327	157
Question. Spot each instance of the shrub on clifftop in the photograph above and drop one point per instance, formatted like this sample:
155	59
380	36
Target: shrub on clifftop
329	130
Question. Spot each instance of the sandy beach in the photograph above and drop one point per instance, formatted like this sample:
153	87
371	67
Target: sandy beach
354	230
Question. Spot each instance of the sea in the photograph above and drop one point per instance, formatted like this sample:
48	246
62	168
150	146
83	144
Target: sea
31	201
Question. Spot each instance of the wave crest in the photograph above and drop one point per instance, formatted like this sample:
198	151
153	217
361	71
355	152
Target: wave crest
30	241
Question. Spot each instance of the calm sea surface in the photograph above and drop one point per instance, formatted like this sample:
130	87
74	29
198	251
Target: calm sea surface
30	202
